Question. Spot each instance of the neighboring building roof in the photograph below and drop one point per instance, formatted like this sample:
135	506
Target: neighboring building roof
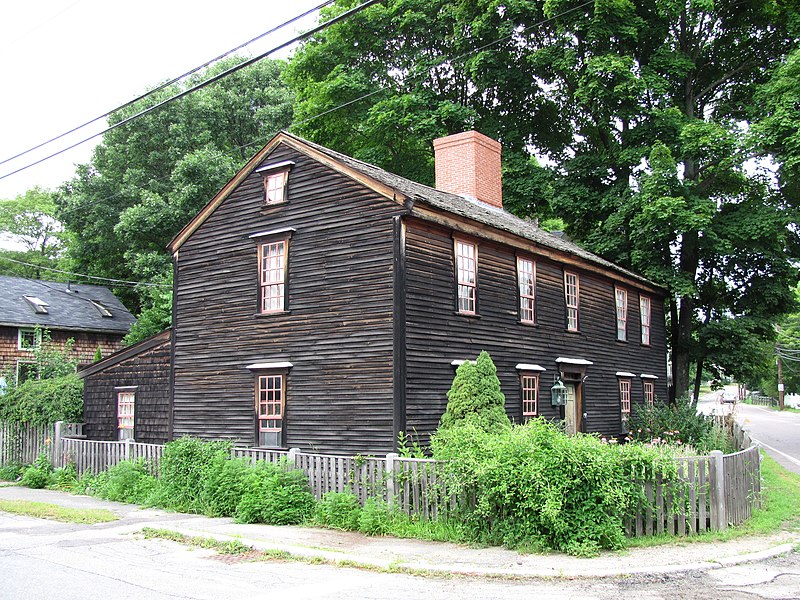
58	305
126	353
455	204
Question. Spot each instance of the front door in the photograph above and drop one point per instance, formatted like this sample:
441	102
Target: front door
572	409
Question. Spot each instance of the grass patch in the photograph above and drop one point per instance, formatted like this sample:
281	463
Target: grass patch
230	547
780	510
54	512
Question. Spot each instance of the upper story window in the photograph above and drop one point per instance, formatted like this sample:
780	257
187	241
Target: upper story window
126	403
275	177
625	398
644	311
530	395
571	293
621	297
270	395
467	273
29	339
649	392
526	276
272	275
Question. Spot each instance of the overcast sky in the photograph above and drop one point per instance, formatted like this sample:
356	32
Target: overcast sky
66	62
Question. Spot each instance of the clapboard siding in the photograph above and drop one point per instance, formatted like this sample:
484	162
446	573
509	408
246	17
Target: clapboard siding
337	333
437	335
148	370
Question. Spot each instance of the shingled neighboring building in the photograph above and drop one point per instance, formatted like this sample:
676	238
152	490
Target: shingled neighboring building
89	314
324	303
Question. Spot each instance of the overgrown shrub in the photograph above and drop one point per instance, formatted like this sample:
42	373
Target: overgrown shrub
531	486
127	481
475	397
64	478
11	471
184	467
224	486
44	401
338	510
376	518
276	496
37	476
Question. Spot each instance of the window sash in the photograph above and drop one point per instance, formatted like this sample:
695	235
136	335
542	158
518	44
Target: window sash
467	272
644	310
526	277
571	293
126	402
625	396
622	313
530	396
275	187
29	339
649	393
272	269
269	402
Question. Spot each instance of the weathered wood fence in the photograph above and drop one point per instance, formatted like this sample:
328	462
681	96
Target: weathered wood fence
713	491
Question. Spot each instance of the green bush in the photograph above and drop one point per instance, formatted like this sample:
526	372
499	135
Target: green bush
44	401
376	518
11	471
184	467
275	496
127	481
224	486
338	510
475	397
533	487
64	478
37	476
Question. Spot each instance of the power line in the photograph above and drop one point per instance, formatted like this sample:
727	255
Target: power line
164	85
205	83
95	277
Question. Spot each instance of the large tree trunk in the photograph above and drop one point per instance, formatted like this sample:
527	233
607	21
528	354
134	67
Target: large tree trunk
680	348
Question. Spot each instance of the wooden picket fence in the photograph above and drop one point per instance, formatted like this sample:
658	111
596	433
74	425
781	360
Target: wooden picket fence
712	492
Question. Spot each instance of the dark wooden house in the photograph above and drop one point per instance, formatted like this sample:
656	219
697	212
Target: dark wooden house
90	315
323	303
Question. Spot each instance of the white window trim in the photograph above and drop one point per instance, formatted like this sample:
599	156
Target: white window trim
622	323
266	366
574	361
529	367
576	306
521	296
474	285
37	342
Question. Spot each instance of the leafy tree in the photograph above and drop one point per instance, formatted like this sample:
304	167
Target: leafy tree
148	178
29	220
475	397
642	108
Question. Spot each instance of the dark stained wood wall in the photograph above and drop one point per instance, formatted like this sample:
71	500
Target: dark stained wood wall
149	371
437	335
337	333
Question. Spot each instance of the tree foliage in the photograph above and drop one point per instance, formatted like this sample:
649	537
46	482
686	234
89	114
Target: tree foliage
149	177
641	108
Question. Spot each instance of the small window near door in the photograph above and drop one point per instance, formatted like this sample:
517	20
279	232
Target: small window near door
126	402
530	396
625	398
649	393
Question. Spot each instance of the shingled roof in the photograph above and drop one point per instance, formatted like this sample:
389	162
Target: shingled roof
74	307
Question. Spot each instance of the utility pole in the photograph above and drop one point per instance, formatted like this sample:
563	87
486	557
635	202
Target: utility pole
780	380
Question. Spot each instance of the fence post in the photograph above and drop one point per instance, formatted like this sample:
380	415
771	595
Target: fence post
391	489
718	491
292	456
56	454
127	447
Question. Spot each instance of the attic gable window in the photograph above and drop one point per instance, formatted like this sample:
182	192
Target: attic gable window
571	293
621	297
39	306
526	276
467	274
275	178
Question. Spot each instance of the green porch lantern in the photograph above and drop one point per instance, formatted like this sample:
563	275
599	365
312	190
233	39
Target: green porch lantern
558	393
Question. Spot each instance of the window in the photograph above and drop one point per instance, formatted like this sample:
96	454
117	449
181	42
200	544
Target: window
270	394
625	398
126	401
526	276
622	313
644	311
530	396
649	393
272	268
26	369
467	268
29	339
571	291
275	187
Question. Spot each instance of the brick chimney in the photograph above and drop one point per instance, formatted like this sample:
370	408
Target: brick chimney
469	164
